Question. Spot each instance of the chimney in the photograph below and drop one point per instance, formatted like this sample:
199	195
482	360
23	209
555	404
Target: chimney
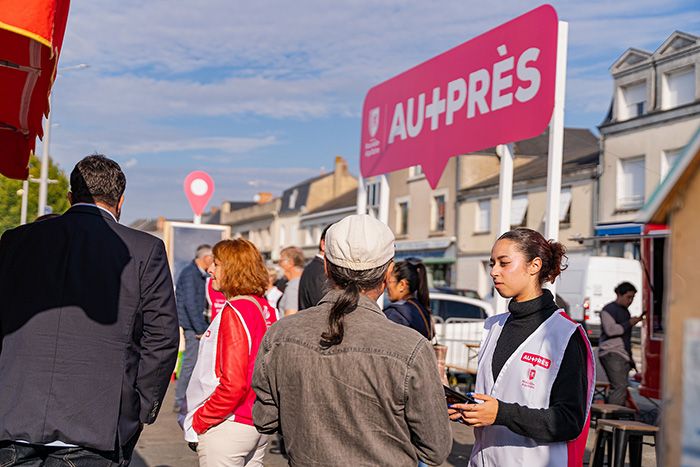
263	197
160	223
339	173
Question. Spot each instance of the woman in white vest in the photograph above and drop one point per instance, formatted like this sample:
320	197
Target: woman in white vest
536	371
219	396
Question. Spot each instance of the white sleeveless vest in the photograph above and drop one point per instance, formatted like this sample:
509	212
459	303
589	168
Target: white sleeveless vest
526	379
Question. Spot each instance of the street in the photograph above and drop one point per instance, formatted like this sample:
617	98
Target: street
162	445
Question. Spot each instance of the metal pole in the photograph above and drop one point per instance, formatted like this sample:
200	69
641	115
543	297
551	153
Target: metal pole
44	173
384	193
556	142
25	195
361	196
505	199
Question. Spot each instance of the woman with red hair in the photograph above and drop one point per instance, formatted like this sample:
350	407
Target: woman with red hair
219	395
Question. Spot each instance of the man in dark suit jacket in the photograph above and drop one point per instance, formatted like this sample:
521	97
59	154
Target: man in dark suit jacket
313	284
88	329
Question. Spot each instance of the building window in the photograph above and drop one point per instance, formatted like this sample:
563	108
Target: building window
293	199
373	193
438	213
565	206
518	211
634	98
415	171
668	160
308	238
483	216
630	183
678	88
402	218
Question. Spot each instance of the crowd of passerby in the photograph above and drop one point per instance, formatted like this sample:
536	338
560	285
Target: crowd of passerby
90	326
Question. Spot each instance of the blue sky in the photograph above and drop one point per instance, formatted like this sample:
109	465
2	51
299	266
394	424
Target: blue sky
265	94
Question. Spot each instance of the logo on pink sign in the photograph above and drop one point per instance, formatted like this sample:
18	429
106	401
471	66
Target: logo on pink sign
496	88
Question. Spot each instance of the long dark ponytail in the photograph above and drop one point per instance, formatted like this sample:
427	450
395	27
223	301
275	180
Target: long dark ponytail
351	283
415	274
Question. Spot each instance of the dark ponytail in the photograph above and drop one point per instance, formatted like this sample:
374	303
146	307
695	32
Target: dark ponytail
351	283
533	245
415	274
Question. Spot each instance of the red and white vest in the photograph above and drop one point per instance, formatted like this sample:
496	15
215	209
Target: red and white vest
526	379
256	316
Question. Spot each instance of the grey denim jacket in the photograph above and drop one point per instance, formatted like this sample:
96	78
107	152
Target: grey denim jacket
373	400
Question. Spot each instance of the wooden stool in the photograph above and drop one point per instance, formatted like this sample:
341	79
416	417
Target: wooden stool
601	390
617	434
611	412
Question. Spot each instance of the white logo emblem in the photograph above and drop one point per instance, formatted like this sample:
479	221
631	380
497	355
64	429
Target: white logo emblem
373	123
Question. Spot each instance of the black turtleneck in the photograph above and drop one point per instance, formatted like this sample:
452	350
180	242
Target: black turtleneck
565	417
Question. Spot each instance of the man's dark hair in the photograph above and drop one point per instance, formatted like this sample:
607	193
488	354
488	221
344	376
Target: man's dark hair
323	235
97	178
624	287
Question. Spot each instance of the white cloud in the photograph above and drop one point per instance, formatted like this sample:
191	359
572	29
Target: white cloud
131	163
226	145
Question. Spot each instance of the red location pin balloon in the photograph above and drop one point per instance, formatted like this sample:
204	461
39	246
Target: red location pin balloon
199	187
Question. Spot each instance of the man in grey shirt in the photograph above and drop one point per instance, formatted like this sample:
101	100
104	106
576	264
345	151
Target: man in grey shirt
345	385
292	263
615	347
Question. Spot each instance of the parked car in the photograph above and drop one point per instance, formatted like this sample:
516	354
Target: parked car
588	284
459	324
462	292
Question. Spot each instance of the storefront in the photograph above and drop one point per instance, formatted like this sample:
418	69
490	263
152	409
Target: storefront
438	255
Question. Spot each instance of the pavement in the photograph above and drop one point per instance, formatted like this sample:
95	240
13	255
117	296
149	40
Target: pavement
162	444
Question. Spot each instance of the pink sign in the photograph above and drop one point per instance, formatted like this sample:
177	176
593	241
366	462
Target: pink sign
199	187
496	88
215	299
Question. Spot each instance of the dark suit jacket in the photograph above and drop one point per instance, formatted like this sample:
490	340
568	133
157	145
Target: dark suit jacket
313	284
88	330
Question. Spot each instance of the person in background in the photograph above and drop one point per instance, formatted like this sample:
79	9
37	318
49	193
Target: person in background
345	385
219	395
292	264
313	284
407	287
615	344
536	372
273	294
190	294
88	329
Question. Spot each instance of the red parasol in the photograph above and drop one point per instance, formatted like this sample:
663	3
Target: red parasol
31	34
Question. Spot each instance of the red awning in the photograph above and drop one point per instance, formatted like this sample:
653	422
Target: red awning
31	34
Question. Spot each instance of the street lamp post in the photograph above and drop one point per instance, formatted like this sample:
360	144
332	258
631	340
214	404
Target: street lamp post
44	173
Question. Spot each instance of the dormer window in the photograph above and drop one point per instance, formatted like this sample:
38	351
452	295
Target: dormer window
678	88
633	100
293	199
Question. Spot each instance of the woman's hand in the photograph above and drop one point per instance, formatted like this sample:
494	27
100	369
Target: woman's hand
476	415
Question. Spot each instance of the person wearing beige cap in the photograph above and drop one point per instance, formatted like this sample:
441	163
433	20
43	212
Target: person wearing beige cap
342	383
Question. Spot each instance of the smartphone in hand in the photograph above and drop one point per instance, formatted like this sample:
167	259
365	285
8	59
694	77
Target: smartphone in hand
454	397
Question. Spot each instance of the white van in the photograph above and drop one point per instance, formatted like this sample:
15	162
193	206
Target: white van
588	284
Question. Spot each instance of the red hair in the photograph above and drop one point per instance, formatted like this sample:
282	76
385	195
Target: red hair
241	270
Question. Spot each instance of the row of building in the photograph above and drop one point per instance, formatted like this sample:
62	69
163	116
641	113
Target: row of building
655	111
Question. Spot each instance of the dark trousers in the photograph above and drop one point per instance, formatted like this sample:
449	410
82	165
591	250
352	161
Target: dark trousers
189	359
33	455
617	368
28	455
